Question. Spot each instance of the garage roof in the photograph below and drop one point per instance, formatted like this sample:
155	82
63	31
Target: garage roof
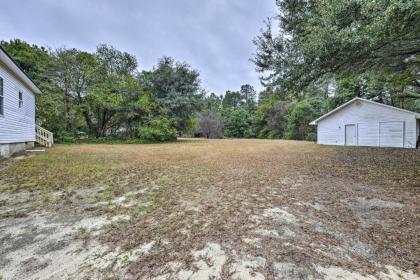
7	60
315	122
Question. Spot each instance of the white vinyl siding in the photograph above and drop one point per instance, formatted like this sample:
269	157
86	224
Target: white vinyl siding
1	97
368	116
16	124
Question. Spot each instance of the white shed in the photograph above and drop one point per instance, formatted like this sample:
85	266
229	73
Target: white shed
362	122
17	107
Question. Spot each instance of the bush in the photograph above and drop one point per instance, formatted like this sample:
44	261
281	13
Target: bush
109	140
276	119
65	138
302	114
157	130
210	125
239	123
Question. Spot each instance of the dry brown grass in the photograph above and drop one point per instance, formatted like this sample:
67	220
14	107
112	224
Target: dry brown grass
195	192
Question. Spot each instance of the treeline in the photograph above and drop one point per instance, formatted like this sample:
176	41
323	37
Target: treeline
240	114
321	54
102	96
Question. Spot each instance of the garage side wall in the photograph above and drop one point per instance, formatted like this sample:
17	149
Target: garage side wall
367	118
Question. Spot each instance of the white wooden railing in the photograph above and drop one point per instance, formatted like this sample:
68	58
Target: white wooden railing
43	136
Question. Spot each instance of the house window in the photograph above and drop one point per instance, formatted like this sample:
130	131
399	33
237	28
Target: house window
1	97
20	99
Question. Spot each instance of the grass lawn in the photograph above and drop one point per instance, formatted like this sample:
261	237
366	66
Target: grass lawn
217	209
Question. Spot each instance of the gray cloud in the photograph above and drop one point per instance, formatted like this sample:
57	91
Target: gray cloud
213	36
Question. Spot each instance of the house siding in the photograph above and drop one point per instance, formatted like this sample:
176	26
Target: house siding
17	125
367	118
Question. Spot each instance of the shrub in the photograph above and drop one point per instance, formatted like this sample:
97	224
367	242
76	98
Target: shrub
64	138
276	119
210	125
302	114
239	123
157	130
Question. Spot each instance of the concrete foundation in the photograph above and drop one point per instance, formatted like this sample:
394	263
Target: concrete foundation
6	150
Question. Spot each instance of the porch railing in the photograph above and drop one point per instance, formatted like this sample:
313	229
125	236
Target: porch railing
44	137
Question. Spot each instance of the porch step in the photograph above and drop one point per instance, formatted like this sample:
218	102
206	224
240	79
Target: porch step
35	150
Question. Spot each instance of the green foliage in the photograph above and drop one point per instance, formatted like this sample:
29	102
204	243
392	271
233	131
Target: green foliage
239	123
177	87
249	96
375	43
301	115
191	125
97	94
273	115
238	113
157	130
32	59
232	100
245	98
213	102
65	138
109	140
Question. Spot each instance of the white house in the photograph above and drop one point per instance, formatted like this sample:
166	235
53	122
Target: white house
17	107
362	122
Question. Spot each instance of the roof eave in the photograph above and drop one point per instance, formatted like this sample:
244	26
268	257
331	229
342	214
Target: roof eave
315	122
18	71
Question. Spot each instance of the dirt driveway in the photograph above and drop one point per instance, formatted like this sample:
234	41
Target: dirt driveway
219	209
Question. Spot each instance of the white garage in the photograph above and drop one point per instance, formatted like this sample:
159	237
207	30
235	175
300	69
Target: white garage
361	122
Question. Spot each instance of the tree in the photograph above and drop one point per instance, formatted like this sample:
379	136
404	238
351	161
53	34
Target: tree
244	98
177	87
210	125
275	115
213	102
34	60
94	93
318	40
249	95
114	90
239	123
73	74
232	100
302	114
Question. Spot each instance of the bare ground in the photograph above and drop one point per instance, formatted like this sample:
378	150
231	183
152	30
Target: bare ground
221	209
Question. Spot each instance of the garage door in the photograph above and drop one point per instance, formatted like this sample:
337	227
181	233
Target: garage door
391	134
367	134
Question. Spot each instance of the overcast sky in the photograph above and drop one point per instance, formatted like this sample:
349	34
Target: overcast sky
213	36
